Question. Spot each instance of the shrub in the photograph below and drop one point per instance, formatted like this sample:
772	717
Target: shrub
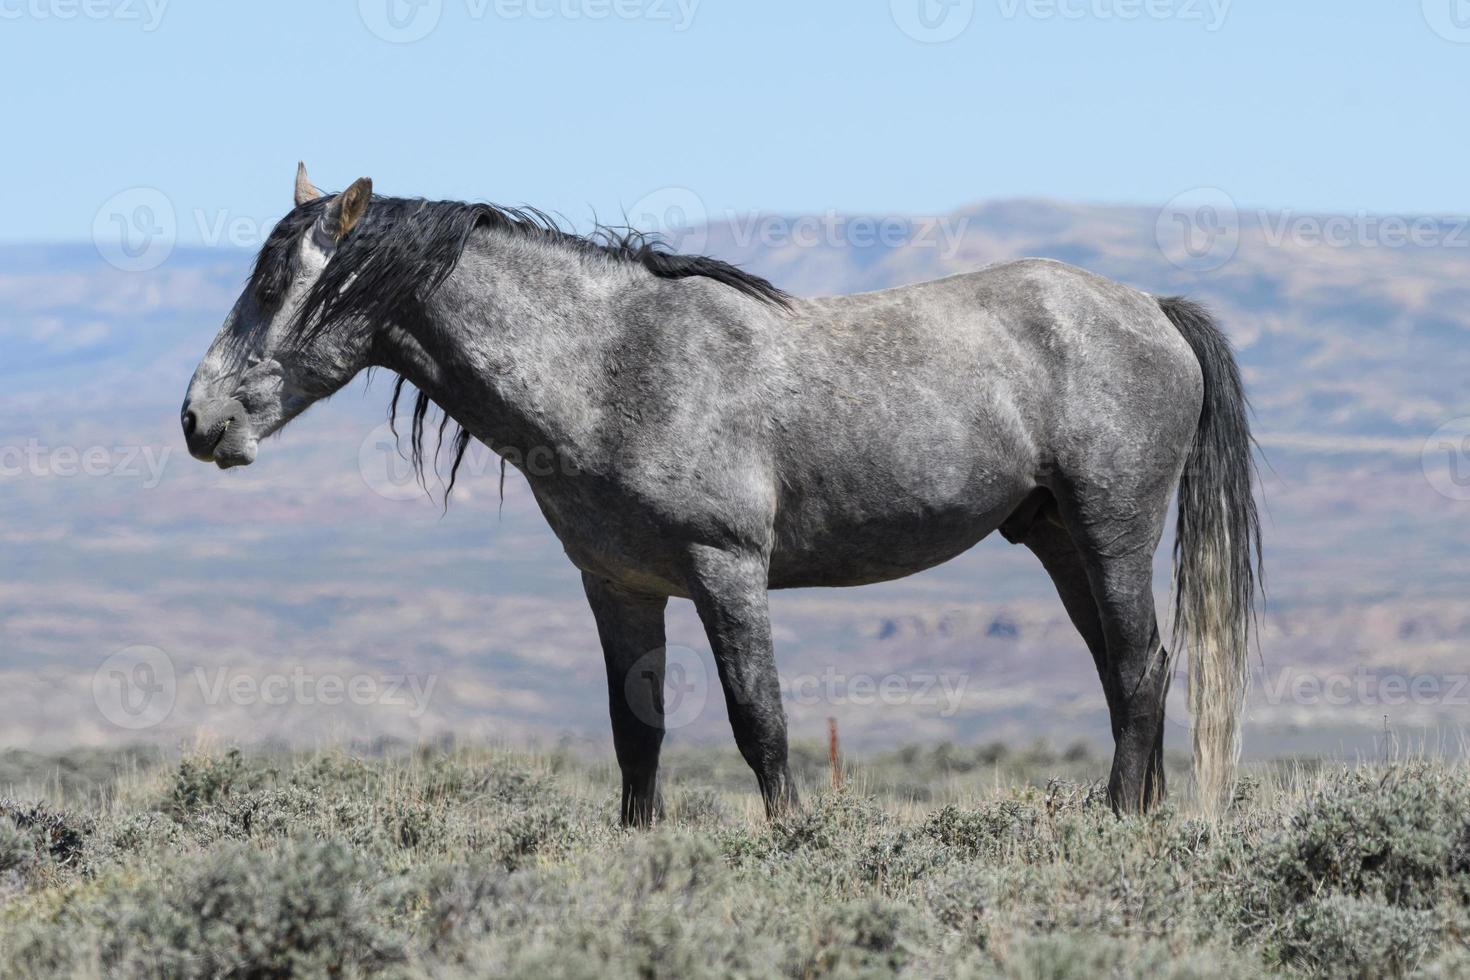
205	780
825	820
856	938
472	864
1397	836
1341	936
298	911
988	831
697	806
60	835
898	859
1086	956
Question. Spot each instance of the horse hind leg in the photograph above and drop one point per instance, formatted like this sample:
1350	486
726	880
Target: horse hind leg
1045	536
1106	585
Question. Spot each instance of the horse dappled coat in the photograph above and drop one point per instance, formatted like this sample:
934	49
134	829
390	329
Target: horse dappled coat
718	438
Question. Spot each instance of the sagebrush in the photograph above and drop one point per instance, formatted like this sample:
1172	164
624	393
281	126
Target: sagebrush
928	862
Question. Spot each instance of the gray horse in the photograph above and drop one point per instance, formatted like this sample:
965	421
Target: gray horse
714	438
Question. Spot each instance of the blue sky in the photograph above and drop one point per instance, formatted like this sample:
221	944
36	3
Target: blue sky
583	105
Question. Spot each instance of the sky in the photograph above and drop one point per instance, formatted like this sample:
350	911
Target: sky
590	107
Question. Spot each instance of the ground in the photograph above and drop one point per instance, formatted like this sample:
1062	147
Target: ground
929	862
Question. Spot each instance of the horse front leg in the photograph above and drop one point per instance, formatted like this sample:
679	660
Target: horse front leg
729	592
631	628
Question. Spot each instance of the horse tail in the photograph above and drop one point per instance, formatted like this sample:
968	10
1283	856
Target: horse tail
1217	555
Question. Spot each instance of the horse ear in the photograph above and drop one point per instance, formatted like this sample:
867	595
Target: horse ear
305	191
347	208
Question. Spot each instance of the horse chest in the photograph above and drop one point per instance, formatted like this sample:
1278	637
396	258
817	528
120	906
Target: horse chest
616	537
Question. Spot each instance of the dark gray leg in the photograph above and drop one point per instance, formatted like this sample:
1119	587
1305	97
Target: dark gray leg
1063	562
631	628
729	591
1138	667
1112	572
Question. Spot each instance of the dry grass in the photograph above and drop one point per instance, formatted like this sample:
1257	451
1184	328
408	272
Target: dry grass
928	862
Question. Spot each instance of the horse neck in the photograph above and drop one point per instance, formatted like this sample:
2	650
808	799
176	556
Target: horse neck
512	343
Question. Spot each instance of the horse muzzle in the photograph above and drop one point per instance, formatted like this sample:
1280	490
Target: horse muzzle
218	431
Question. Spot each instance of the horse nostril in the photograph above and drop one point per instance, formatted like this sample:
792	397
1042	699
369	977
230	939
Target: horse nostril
215	425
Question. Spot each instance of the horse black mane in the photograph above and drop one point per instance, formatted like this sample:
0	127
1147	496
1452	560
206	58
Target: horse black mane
404	248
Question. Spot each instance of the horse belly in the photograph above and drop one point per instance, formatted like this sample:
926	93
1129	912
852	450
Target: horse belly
832	546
